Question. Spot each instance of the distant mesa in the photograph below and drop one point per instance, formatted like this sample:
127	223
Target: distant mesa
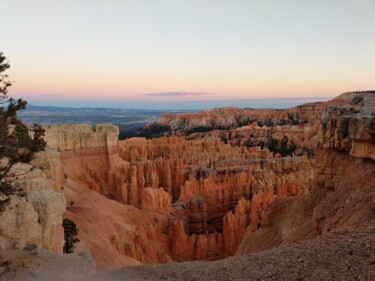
364	91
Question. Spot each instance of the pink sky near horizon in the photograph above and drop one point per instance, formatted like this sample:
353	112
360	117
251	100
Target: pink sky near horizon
215	50
70	85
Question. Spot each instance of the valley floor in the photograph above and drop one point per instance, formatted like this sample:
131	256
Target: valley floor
344	256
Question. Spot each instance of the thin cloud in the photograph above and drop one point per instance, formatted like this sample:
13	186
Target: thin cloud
177	94
50	96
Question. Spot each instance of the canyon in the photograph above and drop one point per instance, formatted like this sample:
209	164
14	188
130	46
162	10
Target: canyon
168	198
205	186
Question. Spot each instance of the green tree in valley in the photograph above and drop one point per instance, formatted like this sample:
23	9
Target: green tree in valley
70	236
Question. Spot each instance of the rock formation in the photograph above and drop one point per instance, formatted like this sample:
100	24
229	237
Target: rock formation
351	128
19	225
49	162
88	155
342	195
80	137
49	206
36	218
195	186
155	199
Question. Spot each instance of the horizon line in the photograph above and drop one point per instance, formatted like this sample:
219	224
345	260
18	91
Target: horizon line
186	105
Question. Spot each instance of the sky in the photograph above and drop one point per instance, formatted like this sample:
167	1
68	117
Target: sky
151	53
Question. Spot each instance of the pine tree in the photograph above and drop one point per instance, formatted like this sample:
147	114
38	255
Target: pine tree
70	236
17	144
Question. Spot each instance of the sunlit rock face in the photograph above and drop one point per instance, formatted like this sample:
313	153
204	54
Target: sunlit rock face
82	137
89	154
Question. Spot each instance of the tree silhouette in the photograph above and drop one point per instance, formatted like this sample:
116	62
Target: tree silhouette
70	236
17	143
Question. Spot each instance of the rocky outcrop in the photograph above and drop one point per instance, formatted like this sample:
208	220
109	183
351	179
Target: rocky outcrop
351	128
89	154
19	225
342	195
49	162
50	207
36	217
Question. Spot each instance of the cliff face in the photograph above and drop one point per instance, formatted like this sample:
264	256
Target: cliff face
89	154
346	179
351	128
81	137
342	196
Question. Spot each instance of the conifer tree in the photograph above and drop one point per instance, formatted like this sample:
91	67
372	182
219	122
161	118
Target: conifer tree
70	236
17	142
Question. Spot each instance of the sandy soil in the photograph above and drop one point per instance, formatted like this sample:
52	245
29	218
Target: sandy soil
345	256
33	264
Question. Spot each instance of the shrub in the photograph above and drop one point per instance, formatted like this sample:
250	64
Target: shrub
154	130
